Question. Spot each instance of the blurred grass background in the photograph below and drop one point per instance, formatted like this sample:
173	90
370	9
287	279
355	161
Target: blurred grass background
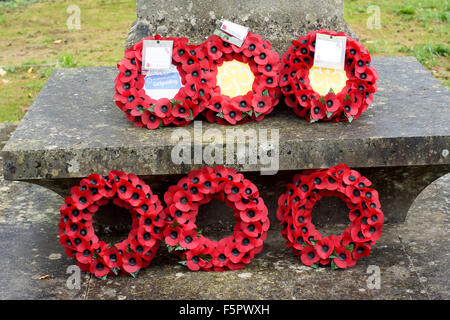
34	39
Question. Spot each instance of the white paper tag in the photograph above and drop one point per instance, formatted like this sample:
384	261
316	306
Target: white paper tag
330	51
234	29
156	55
229	38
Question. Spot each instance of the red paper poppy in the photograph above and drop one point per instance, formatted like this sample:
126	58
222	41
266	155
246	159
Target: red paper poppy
296	204
98	268
172	235
81	197
184	237
233	253
112	258
324	247
193	260
219	258
78	236
189	239
309	256
344	258
318	111
295	85
163	108
261	104
232	115
131	262
372	232
245	243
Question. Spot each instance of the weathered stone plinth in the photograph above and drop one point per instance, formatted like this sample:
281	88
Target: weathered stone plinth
402	143
279	22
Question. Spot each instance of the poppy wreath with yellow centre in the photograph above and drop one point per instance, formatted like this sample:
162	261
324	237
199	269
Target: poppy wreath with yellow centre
346	105
77	233
188	102
341	251
199	187
260	62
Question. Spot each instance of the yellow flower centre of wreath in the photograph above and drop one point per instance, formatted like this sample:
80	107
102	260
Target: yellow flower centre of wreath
324	79
234	78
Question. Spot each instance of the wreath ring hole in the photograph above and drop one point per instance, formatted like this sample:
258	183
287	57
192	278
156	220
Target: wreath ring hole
112	223
331	215
215	219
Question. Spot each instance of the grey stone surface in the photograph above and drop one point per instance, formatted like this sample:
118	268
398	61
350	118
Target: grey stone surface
279	22
274	274
73	128
430	256
6	128
412	257
29	245
401	143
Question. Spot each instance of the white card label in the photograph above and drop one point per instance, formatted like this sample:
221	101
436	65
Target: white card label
156	55
162	84
234	29
229	38
330	51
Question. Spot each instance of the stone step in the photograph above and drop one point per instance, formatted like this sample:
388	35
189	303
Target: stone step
412	258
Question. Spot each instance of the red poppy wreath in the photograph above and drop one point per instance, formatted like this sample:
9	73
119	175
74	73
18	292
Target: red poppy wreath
346	105
342	251
187	103
184	237
244	81
77	233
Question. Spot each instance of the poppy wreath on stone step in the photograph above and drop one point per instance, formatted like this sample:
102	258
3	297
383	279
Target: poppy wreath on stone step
188	102
341	251
199	187
255	60
346	105
77	234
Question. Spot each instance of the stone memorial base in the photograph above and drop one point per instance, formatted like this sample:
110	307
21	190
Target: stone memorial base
74	129
279	22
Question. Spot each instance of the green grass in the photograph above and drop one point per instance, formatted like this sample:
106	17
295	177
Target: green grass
428	54
35	39
67	61
14	4
416	27
406	11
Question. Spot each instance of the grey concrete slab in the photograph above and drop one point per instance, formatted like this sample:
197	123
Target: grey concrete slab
274	274
29	245
430	255
74	129
33	265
